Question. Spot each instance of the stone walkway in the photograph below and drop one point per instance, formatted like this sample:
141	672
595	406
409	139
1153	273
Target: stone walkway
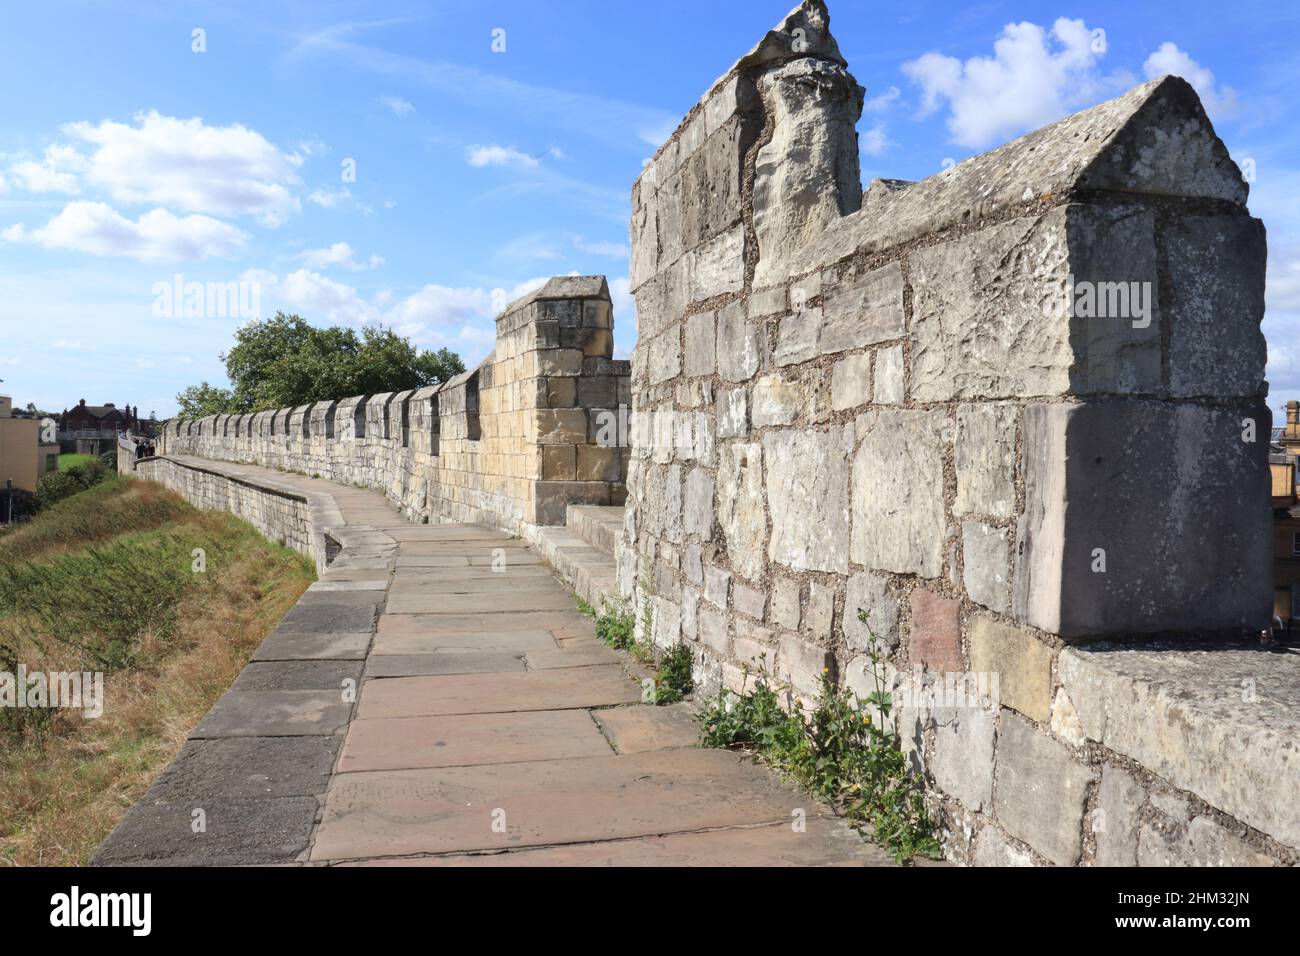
490	727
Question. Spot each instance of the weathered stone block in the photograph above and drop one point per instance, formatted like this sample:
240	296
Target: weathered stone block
1022	664
806	175
851	382
1115	821
796	337
984	453
718	266
699	503
984	565
1204	843
664	355
717	585
559	462
1219	723
1005	291
819	616
750	601
898	511
808	495
862	309
1040	791
962	763
740	498
775	401
1097	473
802	664
870	592
739	343
1216	285
785	603
700	356
889	376
599	464
733	414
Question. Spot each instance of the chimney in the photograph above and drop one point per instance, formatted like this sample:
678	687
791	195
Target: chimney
1292	415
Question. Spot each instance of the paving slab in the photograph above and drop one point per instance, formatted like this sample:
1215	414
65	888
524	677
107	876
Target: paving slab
416	665
275	713
355	574
483	584
306	647
298	675
372	584
643	728
822	842
470	549
367	600
405	812
325	617
476	623
575	653
461	741
237	832
513	601
407	634
249	768
561	688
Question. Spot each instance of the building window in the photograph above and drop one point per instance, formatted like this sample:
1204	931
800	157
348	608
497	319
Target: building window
1295	544
51	462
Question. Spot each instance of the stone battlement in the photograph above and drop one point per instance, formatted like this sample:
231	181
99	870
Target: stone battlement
1014	407
509	444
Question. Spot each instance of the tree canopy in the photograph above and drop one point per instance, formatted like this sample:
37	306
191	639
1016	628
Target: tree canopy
284	361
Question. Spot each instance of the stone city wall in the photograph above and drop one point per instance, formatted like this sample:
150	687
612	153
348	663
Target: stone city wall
509	444
936	403
280	513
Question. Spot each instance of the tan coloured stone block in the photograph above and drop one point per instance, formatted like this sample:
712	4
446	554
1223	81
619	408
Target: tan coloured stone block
558	462
596	463
1022	662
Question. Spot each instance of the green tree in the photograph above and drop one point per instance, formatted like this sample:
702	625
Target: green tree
285	361
204	399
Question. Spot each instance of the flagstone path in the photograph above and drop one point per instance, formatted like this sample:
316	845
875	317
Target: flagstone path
436	699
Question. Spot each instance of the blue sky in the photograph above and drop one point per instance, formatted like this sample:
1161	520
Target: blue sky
127	159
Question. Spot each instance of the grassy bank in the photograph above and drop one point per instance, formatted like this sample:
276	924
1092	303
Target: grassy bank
106	581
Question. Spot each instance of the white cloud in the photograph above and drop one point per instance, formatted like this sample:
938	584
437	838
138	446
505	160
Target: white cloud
56	173
1027	83
1282	287
878	104
398	105
1221	101
494	155
432	317
875	142
614	250
328	199
186	164
157	236
340	255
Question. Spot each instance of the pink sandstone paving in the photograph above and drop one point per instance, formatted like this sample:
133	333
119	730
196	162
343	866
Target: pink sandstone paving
582	772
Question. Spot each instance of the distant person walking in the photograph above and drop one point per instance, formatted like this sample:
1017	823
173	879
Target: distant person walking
139	450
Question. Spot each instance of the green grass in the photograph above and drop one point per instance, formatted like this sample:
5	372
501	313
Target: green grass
104	580
69	459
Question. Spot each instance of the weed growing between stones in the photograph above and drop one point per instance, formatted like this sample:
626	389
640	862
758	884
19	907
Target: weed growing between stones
844	751
673	680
